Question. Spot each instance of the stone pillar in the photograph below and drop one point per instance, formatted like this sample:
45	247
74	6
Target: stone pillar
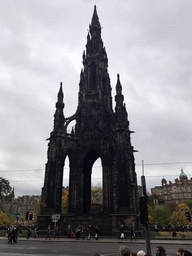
107	189
75	202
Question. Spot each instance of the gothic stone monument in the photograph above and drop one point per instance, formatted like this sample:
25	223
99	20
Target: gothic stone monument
100	132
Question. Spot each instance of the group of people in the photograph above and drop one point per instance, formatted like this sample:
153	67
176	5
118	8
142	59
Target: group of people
12	233
160	251
36	231
122	233
82	232
56	232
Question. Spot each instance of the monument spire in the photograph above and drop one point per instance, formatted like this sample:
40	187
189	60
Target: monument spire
120	109
95	19
59	116
99	132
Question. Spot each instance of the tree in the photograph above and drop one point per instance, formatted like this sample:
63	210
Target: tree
188	202
160	214
154	199
178	217
36	208
36	211
65	193
171	206
4	219
96	190
6	192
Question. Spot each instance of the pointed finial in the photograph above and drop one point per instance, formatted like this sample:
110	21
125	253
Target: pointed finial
88	37
83	55
118	80
61	89
119	87
95	18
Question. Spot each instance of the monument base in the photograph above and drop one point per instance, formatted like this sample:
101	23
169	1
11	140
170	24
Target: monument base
109	224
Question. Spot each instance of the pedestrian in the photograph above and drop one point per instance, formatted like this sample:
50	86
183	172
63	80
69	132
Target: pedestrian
16	230
124	251
48	233
28	232
78	232
97	232
187	253
133	236
89	232
141	253
36	230
20	231
121	232
56	232
11	236
69	231
180	251
82	233
160	251
156	227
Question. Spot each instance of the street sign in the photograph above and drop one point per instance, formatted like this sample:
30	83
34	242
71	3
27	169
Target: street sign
55	217
54	220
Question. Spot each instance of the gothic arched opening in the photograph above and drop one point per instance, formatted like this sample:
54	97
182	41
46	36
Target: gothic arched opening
89	160
97	182
66	173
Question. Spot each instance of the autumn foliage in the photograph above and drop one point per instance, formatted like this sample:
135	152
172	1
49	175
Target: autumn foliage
178	217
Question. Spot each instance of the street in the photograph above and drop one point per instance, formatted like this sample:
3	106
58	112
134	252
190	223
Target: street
107	247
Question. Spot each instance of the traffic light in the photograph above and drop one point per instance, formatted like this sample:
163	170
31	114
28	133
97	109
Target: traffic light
143	209
27	215
188	216
30	215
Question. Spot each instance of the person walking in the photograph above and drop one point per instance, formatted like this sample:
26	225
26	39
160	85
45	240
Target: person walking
48	233
133	236
28	232
122	234
69	231
97	232
56	232
78	232
36	230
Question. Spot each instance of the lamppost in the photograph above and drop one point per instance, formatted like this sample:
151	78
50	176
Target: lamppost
144	211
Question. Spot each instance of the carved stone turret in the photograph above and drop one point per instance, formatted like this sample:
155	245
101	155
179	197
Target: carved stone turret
59	116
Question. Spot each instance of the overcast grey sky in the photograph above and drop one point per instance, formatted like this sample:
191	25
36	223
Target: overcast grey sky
148	42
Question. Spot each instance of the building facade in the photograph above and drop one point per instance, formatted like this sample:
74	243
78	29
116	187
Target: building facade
174	192
21	204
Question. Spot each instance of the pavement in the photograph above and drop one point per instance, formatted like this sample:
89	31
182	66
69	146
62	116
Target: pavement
107	240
